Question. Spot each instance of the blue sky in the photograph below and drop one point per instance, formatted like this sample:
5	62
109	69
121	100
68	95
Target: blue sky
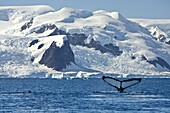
158	9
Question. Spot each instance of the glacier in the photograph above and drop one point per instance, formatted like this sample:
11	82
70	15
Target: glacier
32	38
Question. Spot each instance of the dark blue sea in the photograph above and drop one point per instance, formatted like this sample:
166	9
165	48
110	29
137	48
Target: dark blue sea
20	95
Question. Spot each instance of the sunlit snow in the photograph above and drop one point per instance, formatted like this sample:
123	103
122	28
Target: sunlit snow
103	27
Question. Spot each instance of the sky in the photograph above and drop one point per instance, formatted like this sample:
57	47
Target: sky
149	9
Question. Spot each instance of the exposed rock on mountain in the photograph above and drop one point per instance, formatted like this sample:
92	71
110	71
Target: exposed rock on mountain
159	28
159	34
68	39
44	28
58	58
161	62
79	39
27	25
156	61
54	52
33	42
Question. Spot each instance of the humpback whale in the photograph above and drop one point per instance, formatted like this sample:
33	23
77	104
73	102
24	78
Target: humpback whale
121	85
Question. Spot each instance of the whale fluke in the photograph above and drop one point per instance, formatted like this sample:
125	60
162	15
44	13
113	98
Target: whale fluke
121	85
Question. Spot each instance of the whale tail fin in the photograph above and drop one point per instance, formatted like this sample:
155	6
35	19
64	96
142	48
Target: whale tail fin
121	85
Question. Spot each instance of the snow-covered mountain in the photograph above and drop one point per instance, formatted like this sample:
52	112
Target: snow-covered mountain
45	40
11	16
159	28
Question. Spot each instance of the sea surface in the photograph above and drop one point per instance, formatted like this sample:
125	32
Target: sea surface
93	95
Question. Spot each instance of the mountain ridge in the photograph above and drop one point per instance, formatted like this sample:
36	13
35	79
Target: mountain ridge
99	40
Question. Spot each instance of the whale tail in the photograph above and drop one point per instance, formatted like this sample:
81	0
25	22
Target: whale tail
121	85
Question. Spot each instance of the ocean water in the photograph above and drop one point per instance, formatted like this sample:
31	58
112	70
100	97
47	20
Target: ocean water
81	96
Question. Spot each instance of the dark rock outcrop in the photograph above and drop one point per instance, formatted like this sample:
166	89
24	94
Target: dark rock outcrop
104	49
78	39
159	61
143	57
45	28
27	25
168	42
159	34
40	46
32	59
33	42
113	49
133	57
58	58
161	38
57	32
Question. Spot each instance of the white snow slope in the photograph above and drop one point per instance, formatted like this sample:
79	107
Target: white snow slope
161	26
101	26
11	15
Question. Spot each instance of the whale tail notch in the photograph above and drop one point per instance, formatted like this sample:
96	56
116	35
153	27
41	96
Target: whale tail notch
121	85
